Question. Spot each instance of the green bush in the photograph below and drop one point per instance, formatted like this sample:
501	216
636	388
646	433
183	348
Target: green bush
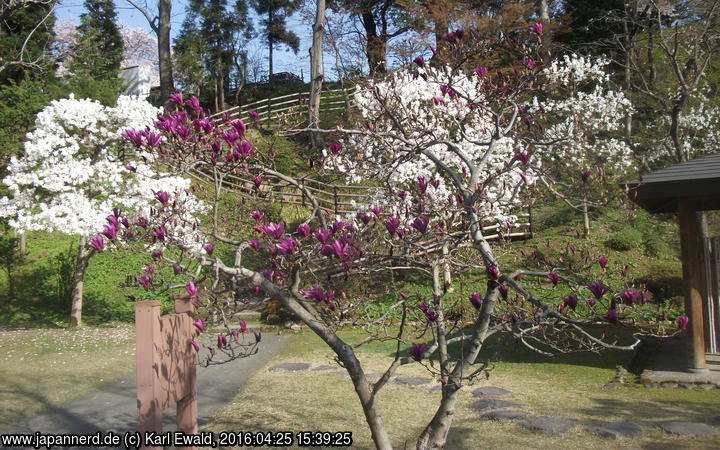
625	239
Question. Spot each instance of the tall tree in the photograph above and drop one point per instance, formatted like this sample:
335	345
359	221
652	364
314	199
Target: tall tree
26	32
99	48
218	36
275	31
316	69
160	25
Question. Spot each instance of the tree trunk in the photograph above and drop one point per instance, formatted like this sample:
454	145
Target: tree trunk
435	434
586	219
441	30
167	85
543	10
447	274
21	246
376	48
675	131
316	71
221	92
78	281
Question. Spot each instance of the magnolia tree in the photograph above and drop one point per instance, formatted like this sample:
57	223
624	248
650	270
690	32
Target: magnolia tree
77	171
454	151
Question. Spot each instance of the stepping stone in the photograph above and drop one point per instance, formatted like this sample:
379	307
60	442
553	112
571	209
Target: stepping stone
340	373
490	391
373	376
612	385
492	404
669	385
435	389
548	425
412	381
325	367
652	385
505	415
688	428
290	367
688	385
616	430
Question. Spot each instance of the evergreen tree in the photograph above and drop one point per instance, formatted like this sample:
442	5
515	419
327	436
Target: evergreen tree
99	49
275	29
26	35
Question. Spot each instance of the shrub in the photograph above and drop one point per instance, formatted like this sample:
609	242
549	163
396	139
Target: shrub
625	239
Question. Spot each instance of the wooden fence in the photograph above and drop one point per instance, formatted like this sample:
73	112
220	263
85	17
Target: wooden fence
280	109
165	365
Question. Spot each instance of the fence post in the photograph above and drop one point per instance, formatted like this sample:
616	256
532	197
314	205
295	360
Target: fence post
187	416
269	109
335	196
147	329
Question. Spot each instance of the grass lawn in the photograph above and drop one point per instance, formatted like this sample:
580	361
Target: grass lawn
570	386
40	368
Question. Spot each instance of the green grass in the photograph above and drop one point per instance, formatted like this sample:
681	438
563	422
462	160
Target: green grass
42	368
568	386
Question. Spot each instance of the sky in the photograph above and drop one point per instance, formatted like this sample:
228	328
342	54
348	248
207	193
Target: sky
284	61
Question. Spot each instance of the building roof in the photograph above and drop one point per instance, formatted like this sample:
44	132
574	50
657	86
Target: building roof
659	191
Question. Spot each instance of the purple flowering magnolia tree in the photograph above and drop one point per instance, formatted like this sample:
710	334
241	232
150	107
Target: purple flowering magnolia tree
450	165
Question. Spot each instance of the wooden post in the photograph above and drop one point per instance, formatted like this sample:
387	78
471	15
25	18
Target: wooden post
187	415
147	330
268	112
692	283
335	197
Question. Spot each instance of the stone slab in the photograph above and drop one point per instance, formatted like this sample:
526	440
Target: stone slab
290	367
505	415
670	366
324	367
688	428
490	391
340	373
616	430
412	381
548	425
492	404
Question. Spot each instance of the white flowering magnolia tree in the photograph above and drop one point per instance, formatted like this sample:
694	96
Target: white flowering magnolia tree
79	176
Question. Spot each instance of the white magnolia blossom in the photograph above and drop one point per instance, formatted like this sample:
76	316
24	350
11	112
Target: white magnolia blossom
585	114
73	172
410	112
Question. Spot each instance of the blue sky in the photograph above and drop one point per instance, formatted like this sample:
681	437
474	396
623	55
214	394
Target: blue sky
284	61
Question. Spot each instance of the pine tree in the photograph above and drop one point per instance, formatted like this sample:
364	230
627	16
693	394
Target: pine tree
99	49
275	25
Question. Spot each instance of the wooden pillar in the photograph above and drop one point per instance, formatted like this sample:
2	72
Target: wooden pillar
187	415
692	283
147	330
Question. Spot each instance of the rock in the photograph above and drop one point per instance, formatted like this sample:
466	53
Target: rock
612	385
490	391
616	430
340	373
296	327
290	367
651	385
687	428
505	415
706	386
669	385
324	367
412	381
492	404
548	425
716	421
688	385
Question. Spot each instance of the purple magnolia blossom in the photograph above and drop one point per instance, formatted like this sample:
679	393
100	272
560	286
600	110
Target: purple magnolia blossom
630	296
159	234
303	230
503	291
603	262
364	218
209	249
337	248
113	220
422	183
682	321
523	157
494	272
598	289
275	230
193	103
253	115
145	282
195	345
431	315
476	300
317	293
239	126
152	139
156	254
110	232
177	269
420	61
438	101
258	336
221	341
571	301
257	215
585	176
177	98
98	243
243	326
590	301
131	168
416	351
529	63
420	223
258	181
611	316
149	270
536	28
287	246
481	72
190	288
163	197
554	278
322	235
376	210
334	147
392	224
199	325
133	136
